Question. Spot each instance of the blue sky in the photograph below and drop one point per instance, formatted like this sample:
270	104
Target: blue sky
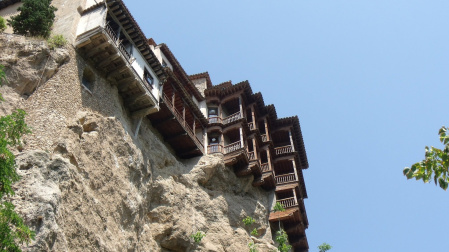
369	82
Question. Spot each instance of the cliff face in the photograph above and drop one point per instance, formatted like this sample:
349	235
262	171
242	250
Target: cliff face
89	184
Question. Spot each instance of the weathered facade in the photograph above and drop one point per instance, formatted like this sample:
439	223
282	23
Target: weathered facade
193	116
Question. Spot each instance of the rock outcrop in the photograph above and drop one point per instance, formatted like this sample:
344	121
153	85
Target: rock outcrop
89	185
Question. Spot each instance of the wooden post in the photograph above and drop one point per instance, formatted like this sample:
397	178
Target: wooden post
256	155
269	160
291	139
183	112
241	107
220	112
241	137
294	195
173	98
205	139
253	116
266	128
296	171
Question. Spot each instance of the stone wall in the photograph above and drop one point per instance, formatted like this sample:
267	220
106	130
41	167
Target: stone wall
89	185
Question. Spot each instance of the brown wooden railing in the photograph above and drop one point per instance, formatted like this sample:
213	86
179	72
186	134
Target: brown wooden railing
286	178
183	123
232	118
251	125
265	167
232	147
264	137
283	149
288	202
251	155
215	148
215	119
119	45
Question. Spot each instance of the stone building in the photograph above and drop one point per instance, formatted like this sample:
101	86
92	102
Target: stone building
193	116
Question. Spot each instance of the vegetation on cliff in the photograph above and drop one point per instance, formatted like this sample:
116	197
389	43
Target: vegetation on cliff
12	229
36	18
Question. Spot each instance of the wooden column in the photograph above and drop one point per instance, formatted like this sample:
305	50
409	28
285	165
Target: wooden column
205	139
294	168
256	155
291	139
294	195
183	112
173	98
241	137
220	112
266	128
269	161
241	106
253	116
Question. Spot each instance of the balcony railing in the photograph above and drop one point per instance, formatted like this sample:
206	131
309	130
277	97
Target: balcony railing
215	120
283	150
288	202
264	137
120	47
251	156
265	167
215	148
232	118
183	123
286	178
232	147
251	125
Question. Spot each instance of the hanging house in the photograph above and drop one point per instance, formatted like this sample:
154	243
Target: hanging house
193	116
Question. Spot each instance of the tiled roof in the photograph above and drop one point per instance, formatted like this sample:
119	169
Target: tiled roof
202	75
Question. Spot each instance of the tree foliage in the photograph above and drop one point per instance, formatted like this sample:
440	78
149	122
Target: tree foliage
435	164
36	18
12	229
2	24
324	247
282	239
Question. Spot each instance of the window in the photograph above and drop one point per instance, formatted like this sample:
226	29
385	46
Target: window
213	115
148	78
164	64
88	79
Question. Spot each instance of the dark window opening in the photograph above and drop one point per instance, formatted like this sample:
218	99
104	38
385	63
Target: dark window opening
88	79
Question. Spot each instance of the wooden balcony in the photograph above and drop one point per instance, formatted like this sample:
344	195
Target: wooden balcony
286	178
102	47
176	131
251	156
288	202
264	138
215	148
283	150
232	147
232	118
215	120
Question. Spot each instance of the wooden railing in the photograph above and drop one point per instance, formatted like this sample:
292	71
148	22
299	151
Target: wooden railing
283	149
251	155
232	118
285	178
264	137
265	167
288	202
117	43
251	125
232	147
183	123
215	148
215	120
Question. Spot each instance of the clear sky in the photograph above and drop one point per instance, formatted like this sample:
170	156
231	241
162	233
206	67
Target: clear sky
369	82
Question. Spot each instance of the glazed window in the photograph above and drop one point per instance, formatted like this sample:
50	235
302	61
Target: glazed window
148	78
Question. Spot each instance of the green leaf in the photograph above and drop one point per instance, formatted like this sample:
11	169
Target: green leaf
443	183
405	171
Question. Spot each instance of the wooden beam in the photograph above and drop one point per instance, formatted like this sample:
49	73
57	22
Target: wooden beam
108	60
134	98
144	112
